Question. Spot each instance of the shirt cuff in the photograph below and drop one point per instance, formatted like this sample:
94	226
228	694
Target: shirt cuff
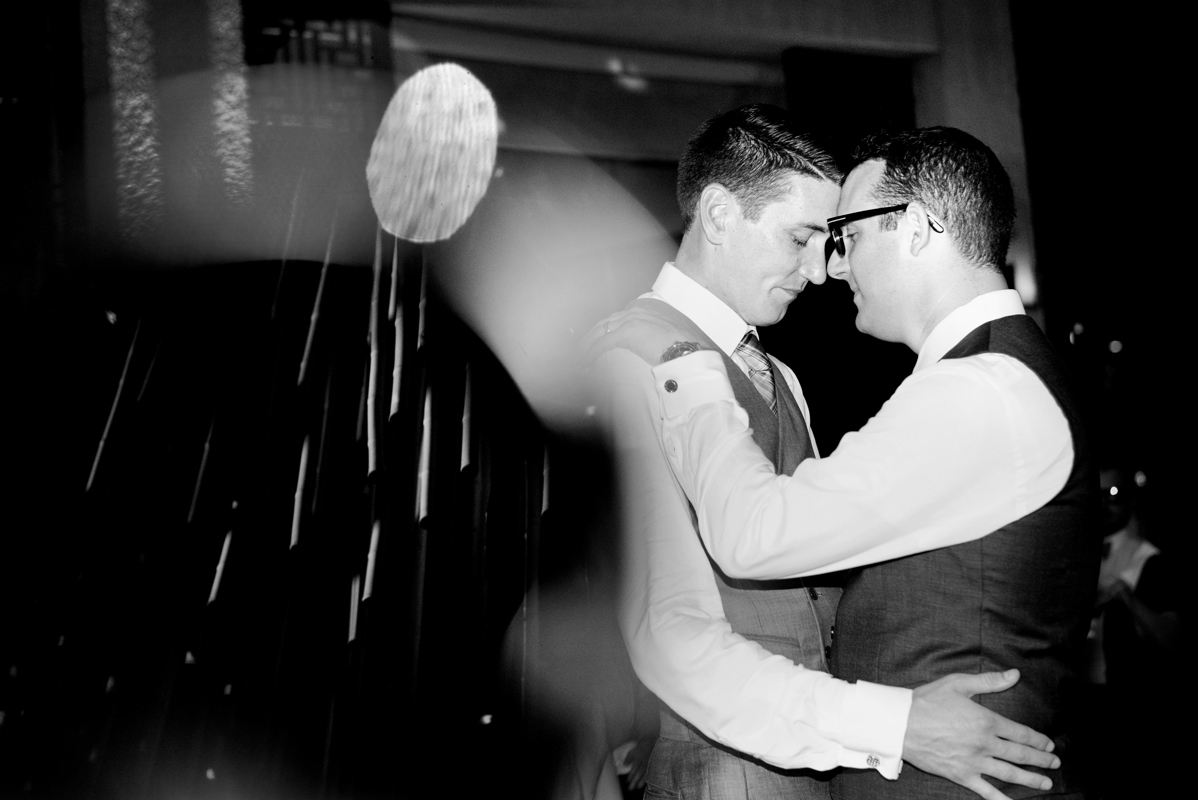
690	381
874	723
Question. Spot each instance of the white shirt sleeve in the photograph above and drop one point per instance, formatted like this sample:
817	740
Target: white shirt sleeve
682	646
962	448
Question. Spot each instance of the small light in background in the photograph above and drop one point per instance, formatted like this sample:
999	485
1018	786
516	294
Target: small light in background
111	317
1114	490
228	689
486	719
1141	478
627	76
210	774
111	683
1079	328
1115	346
189	658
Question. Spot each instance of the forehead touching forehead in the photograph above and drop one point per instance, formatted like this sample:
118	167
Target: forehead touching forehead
857	193
952	175
752	151
805	199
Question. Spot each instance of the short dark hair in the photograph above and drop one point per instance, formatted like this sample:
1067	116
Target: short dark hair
750	151
956	178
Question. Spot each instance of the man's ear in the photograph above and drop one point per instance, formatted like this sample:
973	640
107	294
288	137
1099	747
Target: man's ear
919	226
716	205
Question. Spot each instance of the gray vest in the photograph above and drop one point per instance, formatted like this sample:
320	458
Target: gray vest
794	617
1019	597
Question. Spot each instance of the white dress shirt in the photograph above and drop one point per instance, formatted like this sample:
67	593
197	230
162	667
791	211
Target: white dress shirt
962	448
673	622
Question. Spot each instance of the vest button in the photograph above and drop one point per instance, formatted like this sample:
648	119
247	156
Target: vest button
828	652
671	385
814	594
832	632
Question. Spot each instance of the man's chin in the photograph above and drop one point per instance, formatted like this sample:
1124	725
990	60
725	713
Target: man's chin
774	321
859	320
861	324
767	317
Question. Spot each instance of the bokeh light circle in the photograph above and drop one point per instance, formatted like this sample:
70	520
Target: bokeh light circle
434	153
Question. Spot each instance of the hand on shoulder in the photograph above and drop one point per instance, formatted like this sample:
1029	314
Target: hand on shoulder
634	329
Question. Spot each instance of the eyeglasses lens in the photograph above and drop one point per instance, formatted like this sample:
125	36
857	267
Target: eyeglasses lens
837	241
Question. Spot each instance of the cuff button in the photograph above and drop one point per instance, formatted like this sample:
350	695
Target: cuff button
671	385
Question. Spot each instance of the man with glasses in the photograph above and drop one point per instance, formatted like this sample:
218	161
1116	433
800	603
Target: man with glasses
729	692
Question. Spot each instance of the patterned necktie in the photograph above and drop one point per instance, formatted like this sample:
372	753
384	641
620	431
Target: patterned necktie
760	373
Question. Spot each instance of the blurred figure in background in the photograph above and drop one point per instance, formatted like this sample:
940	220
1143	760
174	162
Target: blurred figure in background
1134	647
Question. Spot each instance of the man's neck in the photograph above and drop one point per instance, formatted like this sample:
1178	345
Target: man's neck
946	297
699	264
691	261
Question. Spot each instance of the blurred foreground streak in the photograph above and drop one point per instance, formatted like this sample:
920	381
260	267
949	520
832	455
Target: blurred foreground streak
297	477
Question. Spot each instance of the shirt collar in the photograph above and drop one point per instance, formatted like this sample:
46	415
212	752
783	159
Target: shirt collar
953	328
713	316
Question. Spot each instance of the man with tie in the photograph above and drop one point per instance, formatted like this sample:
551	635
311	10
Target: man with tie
968	499
742	664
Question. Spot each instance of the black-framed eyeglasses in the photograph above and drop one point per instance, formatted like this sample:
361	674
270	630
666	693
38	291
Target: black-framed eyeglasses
836	226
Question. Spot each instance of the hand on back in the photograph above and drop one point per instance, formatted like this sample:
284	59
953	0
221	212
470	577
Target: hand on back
951	736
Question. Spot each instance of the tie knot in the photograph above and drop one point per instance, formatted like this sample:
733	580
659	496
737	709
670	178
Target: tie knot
751	346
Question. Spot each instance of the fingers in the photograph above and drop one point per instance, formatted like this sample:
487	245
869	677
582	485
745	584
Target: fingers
1012	774
984	683
1033	755
1021	738
601	338
598	341
593	337
591	349
978	785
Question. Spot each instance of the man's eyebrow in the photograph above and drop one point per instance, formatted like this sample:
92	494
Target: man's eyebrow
814	226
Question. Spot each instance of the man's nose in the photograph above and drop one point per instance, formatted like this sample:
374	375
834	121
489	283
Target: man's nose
814	269
838	266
